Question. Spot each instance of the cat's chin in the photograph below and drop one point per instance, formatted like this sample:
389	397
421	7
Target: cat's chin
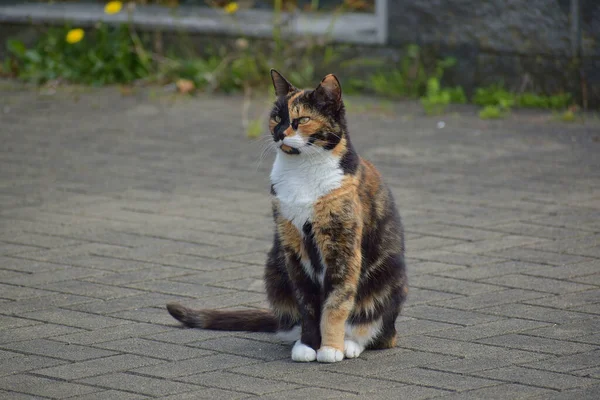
289	150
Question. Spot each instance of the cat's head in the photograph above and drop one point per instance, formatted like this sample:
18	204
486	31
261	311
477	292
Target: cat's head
307	121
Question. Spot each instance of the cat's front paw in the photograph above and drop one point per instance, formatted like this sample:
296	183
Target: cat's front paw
329	354
303	353
352	349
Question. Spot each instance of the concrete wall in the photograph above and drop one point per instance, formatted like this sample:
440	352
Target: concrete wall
525	43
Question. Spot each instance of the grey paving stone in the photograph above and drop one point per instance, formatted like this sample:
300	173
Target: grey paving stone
195	365
588	393
474	363
538	256
537	344
12	323
568	363
246	284
432	267
448	315
16	396
246	348
50	348
111	333
501	392
39	386
185	335
179	288
109	395
534	377
593	339
139	384
412	326
488	329
13	292
592	279
458	232
569	271
536	313
73	318
588	372
311	393
35	332
114	306
569	331
451	347
209	394
99	366
587	308
331	380
493	244
42	303
423	296
483	300
150	348
438	379
239	383
42	278
23	363
541	231
146	274
568	300
462	259
89	289
135	218
228	300
539	284
450	285
28	266
407	392
151	315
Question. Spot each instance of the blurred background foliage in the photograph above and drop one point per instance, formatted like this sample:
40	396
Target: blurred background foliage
119	54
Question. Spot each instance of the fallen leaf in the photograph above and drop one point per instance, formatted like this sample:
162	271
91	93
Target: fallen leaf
185	86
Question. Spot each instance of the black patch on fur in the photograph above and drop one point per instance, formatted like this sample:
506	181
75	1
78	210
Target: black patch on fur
350	160
311	248
280	109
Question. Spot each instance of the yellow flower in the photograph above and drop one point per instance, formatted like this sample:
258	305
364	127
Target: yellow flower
74	35
231	8
113	7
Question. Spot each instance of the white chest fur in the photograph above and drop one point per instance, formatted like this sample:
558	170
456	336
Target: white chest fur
300	180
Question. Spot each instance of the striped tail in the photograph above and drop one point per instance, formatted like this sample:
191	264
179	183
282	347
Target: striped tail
223	320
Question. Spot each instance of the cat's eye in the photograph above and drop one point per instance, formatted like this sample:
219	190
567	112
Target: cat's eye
277	118
303	120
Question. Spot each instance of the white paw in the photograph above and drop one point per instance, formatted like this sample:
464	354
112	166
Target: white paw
329	355
303	353
352	349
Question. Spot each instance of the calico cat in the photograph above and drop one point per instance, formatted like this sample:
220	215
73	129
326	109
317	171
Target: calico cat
335	277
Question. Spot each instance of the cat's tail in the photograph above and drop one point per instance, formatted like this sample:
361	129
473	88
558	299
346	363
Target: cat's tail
225	320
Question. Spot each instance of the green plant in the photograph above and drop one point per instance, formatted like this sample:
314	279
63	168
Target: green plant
494	95
568	116
492	112
533	100
436	99
111	55
409	79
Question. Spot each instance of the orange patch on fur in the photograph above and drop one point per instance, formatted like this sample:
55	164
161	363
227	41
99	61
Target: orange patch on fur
340	149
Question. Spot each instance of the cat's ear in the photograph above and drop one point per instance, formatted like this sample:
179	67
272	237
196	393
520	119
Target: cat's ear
331	88
281	85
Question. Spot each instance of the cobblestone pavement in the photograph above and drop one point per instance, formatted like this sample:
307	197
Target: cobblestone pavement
111	206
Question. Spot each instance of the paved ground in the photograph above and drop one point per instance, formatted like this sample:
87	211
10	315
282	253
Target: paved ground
112	206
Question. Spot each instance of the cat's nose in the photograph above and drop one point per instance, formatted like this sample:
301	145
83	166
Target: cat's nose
279	136
289	131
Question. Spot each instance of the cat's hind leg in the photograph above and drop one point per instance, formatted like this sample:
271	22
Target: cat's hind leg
360	336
